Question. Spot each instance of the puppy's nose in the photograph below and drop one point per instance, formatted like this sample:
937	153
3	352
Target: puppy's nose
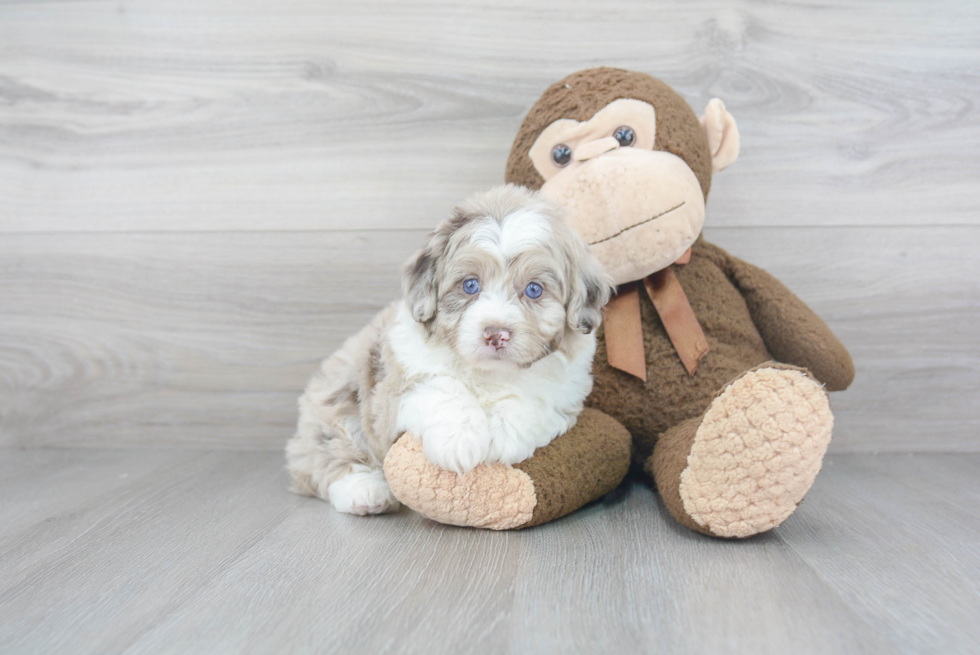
496	336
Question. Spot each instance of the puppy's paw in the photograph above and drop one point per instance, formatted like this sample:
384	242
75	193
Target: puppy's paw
456	446
362	493
507	443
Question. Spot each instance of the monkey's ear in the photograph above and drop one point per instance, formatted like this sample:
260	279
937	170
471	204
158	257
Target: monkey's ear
419	285
722	133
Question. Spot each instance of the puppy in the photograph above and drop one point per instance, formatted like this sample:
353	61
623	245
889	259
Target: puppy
487	358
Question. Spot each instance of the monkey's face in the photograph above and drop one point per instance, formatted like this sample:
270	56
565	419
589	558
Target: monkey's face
638	208
630	161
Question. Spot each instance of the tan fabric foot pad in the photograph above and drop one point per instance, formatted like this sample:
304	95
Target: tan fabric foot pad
756	453
490	496
584	464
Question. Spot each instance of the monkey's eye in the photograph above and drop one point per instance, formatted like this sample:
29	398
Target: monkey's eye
625	135
471	286
533	290
561	155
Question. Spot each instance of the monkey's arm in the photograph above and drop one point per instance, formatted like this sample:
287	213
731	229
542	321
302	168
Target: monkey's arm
793	333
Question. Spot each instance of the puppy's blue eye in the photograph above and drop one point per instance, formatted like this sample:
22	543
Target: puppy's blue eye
533	290
471	286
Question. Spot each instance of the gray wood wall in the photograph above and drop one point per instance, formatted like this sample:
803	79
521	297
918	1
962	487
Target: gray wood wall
199	200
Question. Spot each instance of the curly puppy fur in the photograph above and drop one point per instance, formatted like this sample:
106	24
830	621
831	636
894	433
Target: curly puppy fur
469	362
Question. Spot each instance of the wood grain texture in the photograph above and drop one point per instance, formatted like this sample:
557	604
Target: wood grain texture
210	554
883	552
208	339
38	484
308	114
105	570
200	200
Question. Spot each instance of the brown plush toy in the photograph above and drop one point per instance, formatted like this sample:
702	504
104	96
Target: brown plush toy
718	372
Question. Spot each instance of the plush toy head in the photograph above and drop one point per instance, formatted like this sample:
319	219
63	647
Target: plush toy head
629	159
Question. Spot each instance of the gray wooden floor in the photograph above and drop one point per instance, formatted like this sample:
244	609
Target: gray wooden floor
180	551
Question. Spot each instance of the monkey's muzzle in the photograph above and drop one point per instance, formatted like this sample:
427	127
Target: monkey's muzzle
639	210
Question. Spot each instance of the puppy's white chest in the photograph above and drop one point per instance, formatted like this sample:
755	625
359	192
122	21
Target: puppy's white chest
494	397
512	386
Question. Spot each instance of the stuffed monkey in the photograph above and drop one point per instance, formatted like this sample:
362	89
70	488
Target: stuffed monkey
716	370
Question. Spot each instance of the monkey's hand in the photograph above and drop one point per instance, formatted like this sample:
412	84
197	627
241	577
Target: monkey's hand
793	333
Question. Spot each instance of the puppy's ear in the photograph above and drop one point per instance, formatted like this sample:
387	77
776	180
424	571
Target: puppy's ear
419	283
590	289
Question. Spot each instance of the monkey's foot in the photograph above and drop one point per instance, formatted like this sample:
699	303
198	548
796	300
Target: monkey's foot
744	466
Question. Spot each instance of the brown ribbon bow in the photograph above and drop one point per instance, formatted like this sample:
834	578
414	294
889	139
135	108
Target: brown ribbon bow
624	330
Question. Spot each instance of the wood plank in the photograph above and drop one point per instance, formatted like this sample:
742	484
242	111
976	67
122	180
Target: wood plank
904	556
214	333
93	578
311	115
207	339
683	592
212	554
608	579
36	484
952	478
